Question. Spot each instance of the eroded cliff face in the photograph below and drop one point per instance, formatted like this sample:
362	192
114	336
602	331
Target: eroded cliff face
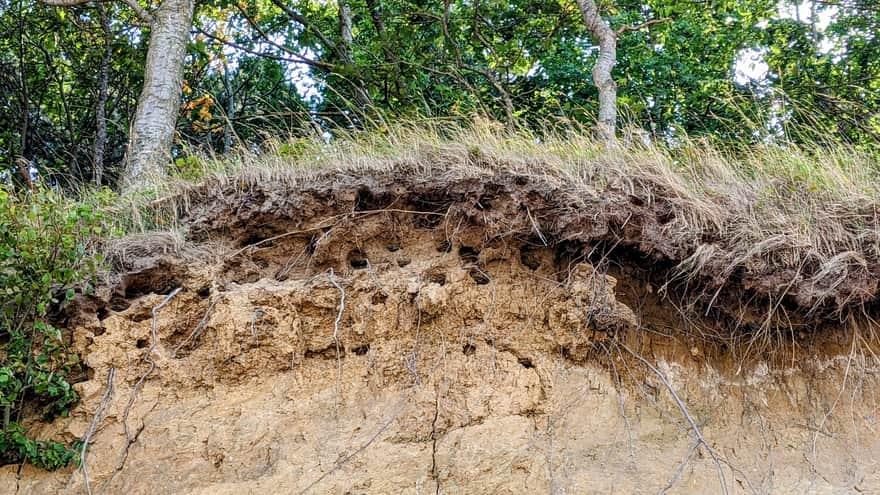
366	339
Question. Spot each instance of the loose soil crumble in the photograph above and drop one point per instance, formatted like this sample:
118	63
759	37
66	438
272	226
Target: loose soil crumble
416	333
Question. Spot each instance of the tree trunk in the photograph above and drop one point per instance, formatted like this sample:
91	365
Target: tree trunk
607	40
152	130
814	21
346	52
101	104
390	58
230	109
24	128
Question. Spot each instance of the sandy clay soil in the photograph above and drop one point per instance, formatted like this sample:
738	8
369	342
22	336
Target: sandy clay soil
388	336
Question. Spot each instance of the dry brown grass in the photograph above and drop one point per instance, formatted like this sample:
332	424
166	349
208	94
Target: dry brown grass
805	217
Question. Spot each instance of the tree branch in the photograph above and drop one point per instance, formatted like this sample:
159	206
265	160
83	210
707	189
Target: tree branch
298	56
643	25
302	21
271	56
141	12
63	3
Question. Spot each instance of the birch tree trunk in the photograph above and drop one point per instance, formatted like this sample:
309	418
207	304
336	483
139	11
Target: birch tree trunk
22	155
606	38
100	111
152	130
228	130
346	53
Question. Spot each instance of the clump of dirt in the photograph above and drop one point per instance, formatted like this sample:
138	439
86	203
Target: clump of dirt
428	335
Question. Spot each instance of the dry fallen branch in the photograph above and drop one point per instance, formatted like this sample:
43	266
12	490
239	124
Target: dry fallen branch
685	412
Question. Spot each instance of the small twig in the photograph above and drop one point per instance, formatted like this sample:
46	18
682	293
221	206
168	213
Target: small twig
677	475
336	332
489	310
686	414
291	262
341	308
411	362
434	438
621	403
363	447
275	238
258	313
643	25
197	331
535	226
137	386
141	12
821	427
375	278
99	412
155	323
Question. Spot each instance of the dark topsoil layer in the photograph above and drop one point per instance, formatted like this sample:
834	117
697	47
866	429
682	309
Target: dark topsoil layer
643	236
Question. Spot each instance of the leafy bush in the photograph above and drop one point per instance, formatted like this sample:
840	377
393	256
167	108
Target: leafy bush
190	168
46	455
46	249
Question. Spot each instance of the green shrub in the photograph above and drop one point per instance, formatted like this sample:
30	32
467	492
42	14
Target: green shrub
46	250
294	148
191	168
46	455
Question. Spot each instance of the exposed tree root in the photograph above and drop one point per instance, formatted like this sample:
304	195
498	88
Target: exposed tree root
400	407
685	412
196	331
336	323
678	472
434	438
154	342
99	412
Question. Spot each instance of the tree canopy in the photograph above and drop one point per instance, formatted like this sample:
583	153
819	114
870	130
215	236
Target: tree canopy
71	70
